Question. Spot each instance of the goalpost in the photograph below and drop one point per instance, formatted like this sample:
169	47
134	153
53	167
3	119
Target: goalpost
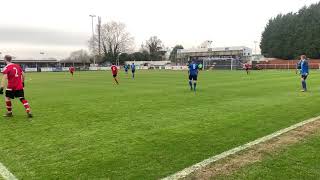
230	63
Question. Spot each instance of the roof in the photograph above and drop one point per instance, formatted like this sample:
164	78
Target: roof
232	48
75	61
35	61
154	63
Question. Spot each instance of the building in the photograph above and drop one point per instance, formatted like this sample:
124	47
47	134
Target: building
242	52
150	64
75	62
257	57
218	57
36	63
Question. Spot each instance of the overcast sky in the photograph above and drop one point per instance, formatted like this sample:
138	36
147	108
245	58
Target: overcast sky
58	27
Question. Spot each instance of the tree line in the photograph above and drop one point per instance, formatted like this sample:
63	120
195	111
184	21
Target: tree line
290	35
113	43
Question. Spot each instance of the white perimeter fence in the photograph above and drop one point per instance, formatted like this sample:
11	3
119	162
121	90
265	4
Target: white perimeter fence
176	68
48	69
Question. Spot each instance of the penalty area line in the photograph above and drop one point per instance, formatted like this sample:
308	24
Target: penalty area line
189	170
6	174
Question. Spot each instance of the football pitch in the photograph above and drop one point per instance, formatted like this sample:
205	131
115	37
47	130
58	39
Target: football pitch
300	161
147	128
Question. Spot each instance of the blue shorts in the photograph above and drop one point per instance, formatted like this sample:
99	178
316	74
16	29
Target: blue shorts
304	76
193	77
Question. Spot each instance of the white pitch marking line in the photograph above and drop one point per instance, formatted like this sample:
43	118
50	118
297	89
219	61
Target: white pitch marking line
187	171
6	174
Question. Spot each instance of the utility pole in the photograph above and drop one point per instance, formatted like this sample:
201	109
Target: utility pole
42	53
118	59
99	34
231	64
94	58
255	47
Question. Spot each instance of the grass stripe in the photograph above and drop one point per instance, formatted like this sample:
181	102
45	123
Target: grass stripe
187	171
5	173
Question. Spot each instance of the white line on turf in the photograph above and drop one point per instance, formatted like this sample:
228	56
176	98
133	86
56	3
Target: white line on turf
187	171
6	174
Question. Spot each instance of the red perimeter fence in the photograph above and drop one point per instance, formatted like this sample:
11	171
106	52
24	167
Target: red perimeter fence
285	64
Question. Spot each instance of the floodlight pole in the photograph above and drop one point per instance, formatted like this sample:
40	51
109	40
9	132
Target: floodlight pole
231	64
42	53
202	64
255	47
94	58
118	59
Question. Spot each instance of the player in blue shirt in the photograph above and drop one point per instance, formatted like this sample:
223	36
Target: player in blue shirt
193	75
298	67
126	67
304	71
133	69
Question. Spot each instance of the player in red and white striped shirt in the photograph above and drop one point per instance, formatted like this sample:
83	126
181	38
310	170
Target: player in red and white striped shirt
71	70
114	71
13	75
247	68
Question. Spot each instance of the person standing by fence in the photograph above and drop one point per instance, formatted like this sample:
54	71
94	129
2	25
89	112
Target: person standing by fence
304	71
298	67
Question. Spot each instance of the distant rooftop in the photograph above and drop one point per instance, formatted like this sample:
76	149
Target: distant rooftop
230	48
33	60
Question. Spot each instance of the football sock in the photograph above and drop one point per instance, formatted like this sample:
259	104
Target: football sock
9	106
194	85
304	85
190	83
25	104
116	80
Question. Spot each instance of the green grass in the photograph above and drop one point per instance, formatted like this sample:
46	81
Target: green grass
300	161
147	128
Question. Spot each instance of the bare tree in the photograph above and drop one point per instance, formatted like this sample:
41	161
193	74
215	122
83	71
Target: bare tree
114	40
156	48
99	35
174	53
154	44
206	44
80	56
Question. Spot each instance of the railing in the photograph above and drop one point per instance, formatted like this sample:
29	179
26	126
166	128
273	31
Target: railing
284	66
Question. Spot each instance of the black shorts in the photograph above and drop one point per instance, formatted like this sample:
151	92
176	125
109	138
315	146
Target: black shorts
133	71
15	93
193	77
114	75
304	77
